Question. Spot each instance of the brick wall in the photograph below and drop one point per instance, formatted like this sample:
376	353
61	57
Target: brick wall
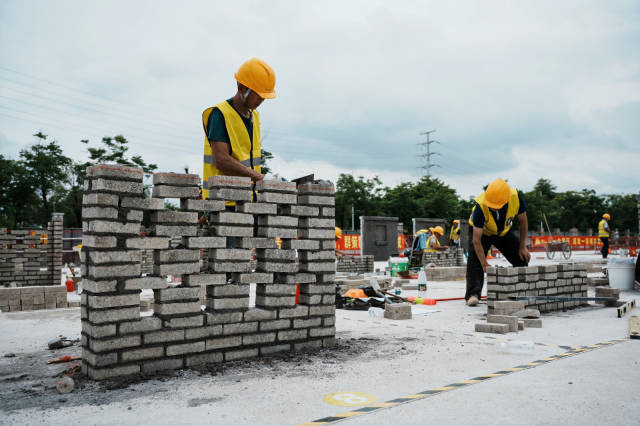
31	257
449	257
117	341
355	264
566	279
32	298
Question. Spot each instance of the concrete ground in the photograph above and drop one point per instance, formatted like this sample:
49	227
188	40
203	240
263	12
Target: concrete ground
375	361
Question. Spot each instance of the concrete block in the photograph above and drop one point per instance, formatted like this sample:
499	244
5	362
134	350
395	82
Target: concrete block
223	317
141	354
99	286
241	255
114	315
230	266
115	171
307	323
106	185
204	279
203	359
167	191
162	365
140	326
298	278
397	311
300	211
99	200
277	198
221	181
321	188
289	267
202	205
317	267
149	282
323	331
508	307
251	243
221	304
311	222
301	244
272	232
320	255
101	257
99	213
270	350
111	344
185	348
256	314
176	256
134	216
275	301
322	310
278	221
310	299
231	218
257	208
228	290
177	308
176	293
532	323
174	217
174	230
316	234
258	339
99	302
275	290
286	335
223	342
255	278
511	321
204	242
98	331
240	354
142	203
106	373
275	255
230	194
106	227
163	336
281	324
99	360
491	328
315	200
203	332
233	231
272	185
527	313
176	179
147	243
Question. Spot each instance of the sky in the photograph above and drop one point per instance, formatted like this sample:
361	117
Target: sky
520	90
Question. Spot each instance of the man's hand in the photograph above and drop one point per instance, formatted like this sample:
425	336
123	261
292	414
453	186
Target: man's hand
256	176
485	265
524	254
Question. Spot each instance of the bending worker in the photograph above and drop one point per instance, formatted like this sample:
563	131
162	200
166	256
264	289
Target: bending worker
454	234
491	221
603	233
433	243
232	128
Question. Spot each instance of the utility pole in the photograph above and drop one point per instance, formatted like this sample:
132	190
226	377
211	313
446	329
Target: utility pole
429	153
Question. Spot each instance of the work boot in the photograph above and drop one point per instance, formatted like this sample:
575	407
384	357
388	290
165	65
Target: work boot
473	301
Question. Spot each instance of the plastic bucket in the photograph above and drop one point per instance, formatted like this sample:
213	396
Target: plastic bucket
398	264
621	275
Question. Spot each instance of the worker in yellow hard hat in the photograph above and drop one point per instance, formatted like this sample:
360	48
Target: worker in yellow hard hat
433	243
454	234
232	127
604	232
338	238
491	220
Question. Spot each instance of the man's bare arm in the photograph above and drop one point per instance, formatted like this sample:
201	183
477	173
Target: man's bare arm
477	245
524	231
229	165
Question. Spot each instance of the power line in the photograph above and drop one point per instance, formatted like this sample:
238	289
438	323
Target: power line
429	153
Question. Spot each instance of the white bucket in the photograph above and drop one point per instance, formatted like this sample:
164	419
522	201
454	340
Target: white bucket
621	275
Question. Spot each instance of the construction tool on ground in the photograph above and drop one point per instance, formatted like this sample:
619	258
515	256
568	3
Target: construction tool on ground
66	358
556	246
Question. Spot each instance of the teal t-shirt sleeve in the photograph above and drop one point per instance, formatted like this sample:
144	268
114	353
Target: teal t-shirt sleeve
216	128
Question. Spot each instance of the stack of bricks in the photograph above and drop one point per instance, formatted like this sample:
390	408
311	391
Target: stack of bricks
510	316
117	341
608	292
355	264
31	257
566	279
450	257
32	298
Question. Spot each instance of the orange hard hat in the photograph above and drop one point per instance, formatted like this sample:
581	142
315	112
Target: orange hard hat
258	76
438	230
338	233
497	194
606	216
456	221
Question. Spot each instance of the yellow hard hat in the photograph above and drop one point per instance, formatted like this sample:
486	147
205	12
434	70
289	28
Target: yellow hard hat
422	231
497	194
338	233
606	216
258	76
456	221
438	230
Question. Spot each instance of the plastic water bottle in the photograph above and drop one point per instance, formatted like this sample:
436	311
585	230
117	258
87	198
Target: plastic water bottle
422	284
376	312
517	347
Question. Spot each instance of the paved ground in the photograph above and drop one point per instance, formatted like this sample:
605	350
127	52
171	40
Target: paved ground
384	359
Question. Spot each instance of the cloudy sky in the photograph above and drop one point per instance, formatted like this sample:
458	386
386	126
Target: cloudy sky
515	89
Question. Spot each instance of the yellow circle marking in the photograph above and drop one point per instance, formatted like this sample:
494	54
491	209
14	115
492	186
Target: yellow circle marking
349	399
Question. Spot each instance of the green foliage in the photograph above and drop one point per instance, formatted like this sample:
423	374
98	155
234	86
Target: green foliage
266	155
363	194
18	201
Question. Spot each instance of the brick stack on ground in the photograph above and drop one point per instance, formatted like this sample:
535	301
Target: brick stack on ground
565	279
33	298
117	341
31	257
355	264
510	316
450	257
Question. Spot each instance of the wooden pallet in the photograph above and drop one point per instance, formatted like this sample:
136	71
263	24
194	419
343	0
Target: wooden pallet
634	327
626	307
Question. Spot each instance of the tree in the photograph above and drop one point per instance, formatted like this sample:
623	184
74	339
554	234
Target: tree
361	194
265	155
623	210
47	167
18	203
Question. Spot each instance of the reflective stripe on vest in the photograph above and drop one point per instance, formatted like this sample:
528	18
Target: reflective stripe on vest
432	238
602	232
490	226
241	145
454	235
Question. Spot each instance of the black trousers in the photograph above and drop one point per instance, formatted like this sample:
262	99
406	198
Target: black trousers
605	247
509	245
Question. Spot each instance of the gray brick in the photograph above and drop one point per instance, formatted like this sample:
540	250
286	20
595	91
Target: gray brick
160	365
202	359
312	222
276	290
106	185
106	373
223	342
278	221
275	325
115	171
317	288
285	335
275	301
142	325
230	194
204	279
228	290
106	227
99	213
99	360
328	212
276	254
277	198
308	299
295	312
166	191
322	310
223	304
114	315
255	277
99	286
289	267
221	181
231	218
176	179
240	328
183	322
177	308
312	256
176	256
491	328
233	231
163	336
203	332
255	314
240	354
253	339
301	244
202	205
185	348
511	321
204	242
317	266
308	345
272	232
251	243
98	331
296	278
148	282
397	311
101	257
306	323
176	268
99	200
230	254
300	211
257	208
113	301
532	323
223	317
328	244
269	350
272	185
317	234
175	230
142	203
148	243
174	217
134	215
176	293
111	344
144	353
316	200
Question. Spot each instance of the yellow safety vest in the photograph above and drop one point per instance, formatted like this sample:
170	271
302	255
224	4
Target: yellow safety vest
243	149
454	235
429	241
490	227
602	232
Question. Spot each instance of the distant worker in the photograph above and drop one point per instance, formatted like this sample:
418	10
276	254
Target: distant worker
232	127
338	254
433	243
603	233
454	234
491	220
